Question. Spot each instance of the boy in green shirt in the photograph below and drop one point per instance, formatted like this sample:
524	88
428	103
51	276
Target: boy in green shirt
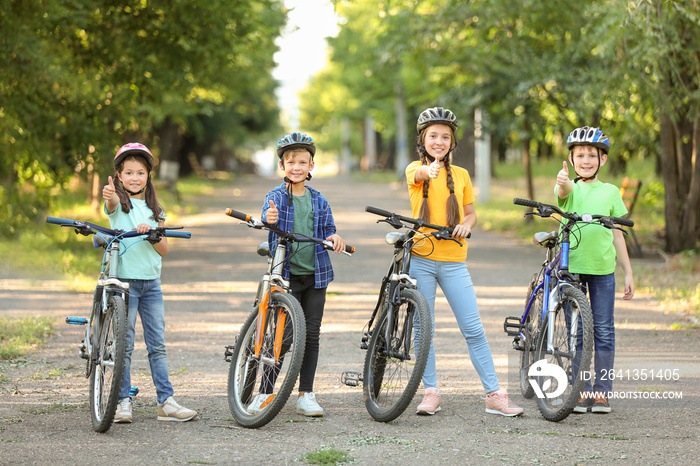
593	255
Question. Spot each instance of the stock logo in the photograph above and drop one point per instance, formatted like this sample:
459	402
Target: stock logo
542	370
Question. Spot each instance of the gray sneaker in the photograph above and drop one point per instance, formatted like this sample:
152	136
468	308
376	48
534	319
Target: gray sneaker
123	413
171	411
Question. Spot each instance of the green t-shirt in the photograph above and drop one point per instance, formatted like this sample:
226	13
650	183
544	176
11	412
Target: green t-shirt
303	261
592	250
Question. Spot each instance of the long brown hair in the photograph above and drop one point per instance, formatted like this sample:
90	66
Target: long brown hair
452	206
149	194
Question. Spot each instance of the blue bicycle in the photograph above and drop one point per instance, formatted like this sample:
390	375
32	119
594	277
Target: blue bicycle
555	333
104	344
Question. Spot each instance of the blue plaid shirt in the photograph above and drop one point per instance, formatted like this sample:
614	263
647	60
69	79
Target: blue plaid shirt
324	226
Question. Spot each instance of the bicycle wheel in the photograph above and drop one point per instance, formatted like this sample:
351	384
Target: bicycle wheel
560	386
531	329
251	375
108	369
393	372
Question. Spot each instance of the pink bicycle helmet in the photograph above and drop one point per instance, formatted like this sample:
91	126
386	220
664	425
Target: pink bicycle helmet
134	148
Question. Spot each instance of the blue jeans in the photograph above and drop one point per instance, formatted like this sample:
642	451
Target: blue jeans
601	293
146	299
456	284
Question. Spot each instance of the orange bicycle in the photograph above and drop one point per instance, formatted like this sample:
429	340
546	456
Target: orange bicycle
266	357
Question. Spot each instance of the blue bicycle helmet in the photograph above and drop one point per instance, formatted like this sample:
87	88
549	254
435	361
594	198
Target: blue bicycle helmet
296	140
588	136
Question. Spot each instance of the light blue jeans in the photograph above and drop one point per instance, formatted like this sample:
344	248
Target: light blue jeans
146	299
456	284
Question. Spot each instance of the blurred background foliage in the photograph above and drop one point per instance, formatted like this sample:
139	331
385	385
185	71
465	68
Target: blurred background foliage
193	80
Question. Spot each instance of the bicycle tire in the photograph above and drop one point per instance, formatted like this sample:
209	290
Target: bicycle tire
108	367
573	302
390	383
531	330
248	375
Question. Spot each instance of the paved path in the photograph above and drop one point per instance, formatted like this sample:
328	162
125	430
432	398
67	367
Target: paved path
209	283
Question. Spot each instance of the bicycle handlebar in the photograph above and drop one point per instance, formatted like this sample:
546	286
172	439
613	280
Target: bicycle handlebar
259	224
546	210
413	221
87	228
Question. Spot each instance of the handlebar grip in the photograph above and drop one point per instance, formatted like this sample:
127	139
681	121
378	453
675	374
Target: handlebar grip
525	202
59	221
238	215
377	211
178	234
623	221
349	249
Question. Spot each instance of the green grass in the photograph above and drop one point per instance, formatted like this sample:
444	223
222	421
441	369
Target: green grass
327	456
19	336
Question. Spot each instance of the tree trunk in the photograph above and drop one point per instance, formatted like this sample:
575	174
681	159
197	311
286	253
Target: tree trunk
527	163
691	221
669	162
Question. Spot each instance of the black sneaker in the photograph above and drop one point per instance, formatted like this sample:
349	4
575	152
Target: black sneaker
600	405
583	405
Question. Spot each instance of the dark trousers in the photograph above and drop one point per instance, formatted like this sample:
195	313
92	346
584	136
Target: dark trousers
312	301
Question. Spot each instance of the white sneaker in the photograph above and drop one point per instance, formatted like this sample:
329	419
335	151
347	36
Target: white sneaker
123	413
307	405
171	411
259	403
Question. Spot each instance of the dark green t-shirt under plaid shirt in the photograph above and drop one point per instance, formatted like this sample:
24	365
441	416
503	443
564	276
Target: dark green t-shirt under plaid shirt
303	256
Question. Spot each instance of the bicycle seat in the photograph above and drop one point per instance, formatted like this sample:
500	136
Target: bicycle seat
545	239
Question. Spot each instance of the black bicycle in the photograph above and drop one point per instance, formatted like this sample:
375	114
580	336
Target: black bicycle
267	354
398	334
556	328
104	344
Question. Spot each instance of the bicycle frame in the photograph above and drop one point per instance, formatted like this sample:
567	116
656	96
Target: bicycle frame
270	282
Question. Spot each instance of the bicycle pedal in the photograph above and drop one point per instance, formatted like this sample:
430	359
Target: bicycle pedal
76	320
512	326
351	378
228	353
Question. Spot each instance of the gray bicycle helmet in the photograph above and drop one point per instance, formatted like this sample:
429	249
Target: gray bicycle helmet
588	136
436	115
296	140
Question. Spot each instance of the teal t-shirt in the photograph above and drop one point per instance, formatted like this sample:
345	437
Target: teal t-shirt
303	261
140	261
592	250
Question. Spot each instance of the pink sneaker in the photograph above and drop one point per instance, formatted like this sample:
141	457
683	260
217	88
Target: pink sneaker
431	402
497	403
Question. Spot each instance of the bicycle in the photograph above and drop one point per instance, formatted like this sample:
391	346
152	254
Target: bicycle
557	324
396	352
104	344
265	354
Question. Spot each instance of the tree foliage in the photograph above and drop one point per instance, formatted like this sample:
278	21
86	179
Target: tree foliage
539	69
79	78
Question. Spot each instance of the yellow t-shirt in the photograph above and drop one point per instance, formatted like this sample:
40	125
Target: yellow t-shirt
440	250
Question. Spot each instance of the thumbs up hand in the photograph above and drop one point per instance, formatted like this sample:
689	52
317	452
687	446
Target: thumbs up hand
108	192
272	213
563	175
434	169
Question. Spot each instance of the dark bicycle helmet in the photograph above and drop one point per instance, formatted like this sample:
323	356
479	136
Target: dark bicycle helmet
436	115
134	148
588	136
296	140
